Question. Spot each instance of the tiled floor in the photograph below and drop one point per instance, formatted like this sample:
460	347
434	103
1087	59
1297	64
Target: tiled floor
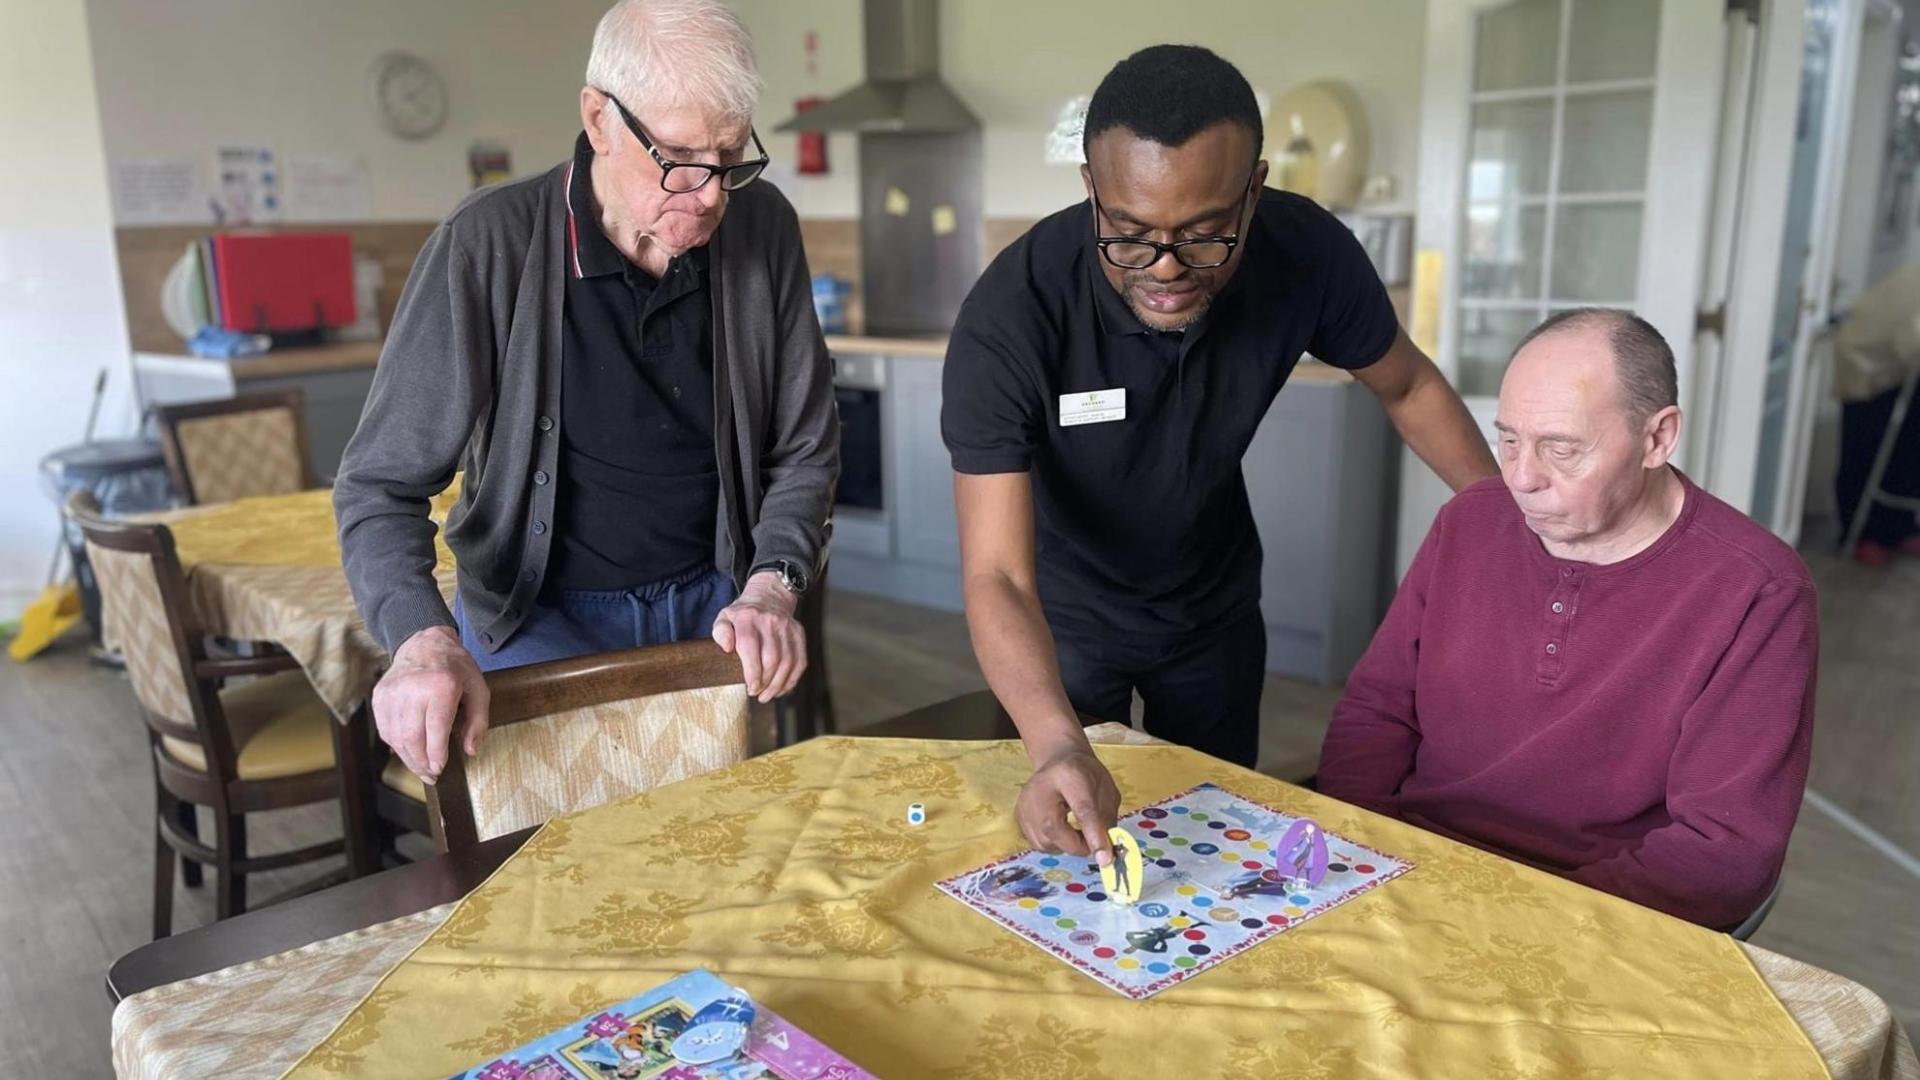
75	792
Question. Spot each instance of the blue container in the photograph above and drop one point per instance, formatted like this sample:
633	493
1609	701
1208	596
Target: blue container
830	302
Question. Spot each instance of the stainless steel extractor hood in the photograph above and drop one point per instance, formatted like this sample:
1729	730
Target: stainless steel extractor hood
903	92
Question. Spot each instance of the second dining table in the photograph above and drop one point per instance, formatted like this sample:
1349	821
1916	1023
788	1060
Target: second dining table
267	569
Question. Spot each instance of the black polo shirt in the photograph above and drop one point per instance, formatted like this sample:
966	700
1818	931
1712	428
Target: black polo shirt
639	488
1142	523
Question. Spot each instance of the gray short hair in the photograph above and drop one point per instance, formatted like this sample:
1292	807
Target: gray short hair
675	53
1642	360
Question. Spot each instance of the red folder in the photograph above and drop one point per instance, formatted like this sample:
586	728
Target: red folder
284	281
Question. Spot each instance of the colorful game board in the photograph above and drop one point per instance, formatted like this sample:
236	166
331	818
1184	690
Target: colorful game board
694	1027
1211	892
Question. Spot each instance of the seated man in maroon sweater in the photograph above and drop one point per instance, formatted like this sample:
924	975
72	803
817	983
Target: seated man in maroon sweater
1593	666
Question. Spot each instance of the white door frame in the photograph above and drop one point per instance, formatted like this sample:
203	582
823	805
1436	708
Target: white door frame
1702	407
1740	386
1673	245
1810	374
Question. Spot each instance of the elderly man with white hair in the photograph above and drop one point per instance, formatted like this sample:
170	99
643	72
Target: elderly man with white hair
621	357
1594	667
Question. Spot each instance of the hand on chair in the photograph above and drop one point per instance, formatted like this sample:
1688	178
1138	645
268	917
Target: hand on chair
433	680
760	627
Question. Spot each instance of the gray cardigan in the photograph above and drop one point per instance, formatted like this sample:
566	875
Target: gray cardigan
470	379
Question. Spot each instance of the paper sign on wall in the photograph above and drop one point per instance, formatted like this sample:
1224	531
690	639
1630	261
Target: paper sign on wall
328	189
248	184
159	191
1429	266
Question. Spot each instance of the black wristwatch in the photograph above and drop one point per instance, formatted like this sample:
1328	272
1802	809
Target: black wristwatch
792	577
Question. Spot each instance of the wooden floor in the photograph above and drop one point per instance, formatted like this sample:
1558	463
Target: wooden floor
76	794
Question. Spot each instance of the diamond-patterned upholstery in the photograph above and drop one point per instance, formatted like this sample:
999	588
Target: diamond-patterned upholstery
240	454
528	772
136	620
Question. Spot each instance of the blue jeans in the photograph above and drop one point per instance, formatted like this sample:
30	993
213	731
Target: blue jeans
569	623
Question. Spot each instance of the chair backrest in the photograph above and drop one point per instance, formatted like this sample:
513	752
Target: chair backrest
145	612
254	444
573	734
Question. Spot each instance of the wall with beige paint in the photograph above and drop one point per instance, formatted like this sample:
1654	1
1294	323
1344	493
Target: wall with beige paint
1015	62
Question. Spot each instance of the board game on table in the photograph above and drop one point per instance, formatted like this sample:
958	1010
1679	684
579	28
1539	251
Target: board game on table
1211	891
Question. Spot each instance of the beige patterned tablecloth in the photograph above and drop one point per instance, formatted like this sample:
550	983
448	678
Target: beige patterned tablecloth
258	1019
268	569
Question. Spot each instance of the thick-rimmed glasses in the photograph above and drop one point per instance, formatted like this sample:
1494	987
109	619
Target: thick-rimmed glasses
680	177
1138	252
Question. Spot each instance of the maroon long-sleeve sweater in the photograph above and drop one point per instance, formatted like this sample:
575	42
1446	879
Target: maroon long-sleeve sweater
1641	727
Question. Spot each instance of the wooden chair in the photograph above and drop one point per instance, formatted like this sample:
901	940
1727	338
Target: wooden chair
265	745
808	710
571	734
254	444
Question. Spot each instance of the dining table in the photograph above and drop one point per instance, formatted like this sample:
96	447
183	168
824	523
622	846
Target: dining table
267	569
797	876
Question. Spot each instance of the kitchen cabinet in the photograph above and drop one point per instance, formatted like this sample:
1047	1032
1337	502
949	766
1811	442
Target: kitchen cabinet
925	529
1322	482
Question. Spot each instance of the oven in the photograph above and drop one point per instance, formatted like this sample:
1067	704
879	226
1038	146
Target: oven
860	518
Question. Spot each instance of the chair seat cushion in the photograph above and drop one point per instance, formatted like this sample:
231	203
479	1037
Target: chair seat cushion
280	728
398	777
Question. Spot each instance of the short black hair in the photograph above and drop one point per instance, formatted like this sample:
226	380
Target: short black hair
1642	360
1170	93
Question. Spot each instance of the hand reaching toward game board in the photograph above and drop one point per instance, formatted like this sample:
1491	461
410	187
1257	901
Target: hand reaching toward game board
1070	780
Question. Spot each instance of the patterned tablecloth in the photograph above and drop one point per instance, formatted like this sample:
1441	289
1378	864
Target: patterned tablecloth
268	569
791	876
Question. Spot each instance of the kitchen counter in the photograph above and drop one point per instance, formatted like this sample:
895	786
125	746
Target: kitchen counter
334	379
280	363
934	348
1309	370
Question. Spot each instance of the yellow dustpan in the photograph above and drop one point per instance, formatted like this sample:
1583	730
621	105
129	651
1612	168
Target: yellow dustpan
59	604
45	620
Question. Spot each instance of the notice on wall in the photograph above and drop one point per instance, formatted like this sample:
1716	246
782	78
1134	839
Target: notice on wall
328	189
247	179
1429	269
159	191
489	163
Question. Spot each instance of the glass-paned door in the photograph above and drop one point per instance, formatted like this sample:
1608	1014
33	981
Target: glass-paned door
1794	300
1555	195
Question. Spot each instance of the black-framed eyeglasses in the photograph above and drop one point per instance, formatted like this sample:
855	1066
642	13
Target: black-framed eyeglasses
680	177
1138	252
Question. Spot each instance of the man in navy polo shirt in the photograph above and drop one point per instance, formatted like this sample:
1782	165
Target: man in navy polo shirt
1103	381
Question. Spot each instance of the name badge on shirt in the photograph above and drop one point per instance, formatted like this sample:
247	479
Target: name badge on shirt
1093	407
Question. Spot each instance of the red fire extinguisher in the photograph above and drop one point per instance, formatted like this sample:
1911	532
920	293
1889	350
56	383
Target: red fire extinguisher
810	146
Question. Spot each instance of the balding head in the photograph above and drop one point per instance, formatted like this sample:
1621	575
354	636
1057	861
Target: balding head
1587	419
1642	363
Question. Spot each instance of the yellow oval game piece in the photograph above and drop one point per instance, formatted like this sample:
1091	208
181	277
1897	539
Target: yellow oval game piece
1122	877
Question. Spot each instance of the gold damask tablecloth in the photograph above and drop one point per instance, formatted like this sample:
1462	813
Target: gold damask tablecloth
268	569
795	876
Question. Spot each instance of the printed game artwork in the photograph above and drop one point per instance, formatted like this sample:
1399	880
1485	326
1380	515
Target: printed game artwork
694	1027
1217	882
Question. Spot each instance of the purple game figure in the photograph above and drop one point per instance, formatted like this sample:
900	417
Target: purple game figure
1301	853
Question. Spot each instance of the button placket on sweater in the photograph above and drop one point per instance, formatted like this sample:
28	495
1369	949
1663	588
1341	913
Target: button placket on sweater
1556	622
545	454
